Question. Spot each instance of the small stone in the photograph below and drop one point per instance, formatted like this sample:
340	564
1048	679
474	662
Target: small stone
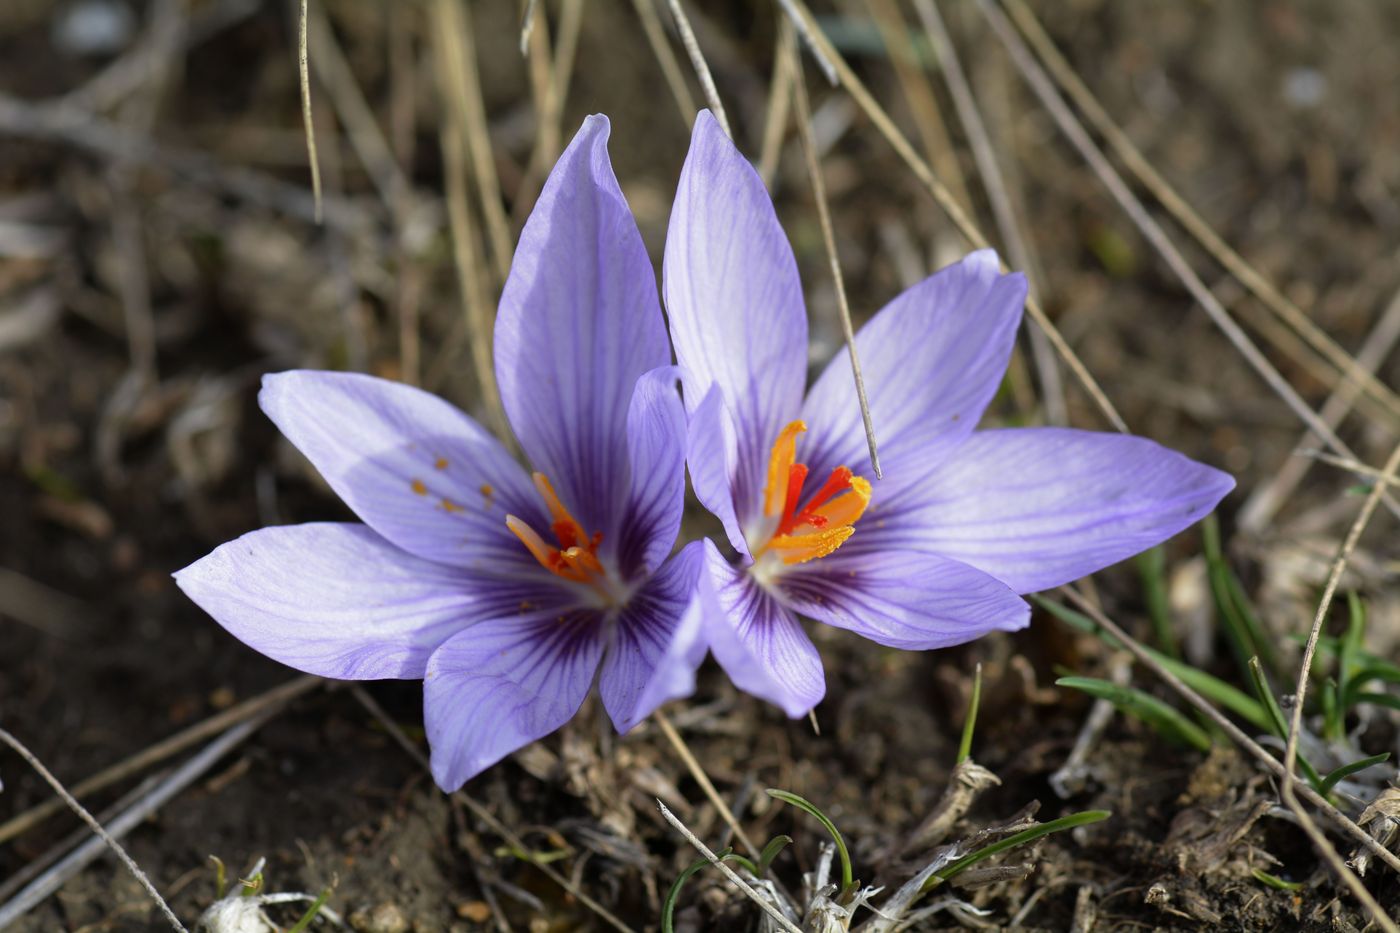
386	918
475	911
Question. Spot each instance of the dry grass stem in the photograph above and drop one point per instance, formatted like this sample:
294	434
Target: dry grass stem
1018	251
1189	219
697	62
728	872
1343	822
268	702
1265	501
467	113
697	772
969	230
1300	690
304	73
1074	131
814	171
666	58
363	131
779	103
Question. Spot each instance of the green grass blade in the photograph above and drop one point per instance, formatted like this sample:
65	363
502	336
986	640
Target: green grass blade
770	852
1278	724
847	876
313	910
1388	700
1274	881
668	906
1152	568
1346	771
1083	818
1352	690
1165	719
1208	685
965	744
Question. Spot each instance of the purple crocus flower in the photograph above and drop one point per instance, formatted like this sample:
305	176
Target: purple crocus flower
506	593
937	552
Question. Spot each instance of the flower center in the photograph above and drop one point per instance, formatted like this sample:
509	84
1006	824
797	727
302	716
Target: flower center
576	557
824	521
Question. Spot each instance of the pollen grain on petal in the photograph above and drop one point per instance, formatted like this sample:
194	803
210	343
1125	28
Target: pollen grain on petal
419	487
440	463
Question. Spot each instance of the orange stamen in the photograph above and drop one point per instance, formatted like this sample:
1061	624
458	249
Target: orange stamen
775	493
576	556
825	521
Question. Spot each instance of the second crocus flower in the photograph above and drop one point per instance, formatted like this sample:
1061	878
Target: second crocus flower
939	551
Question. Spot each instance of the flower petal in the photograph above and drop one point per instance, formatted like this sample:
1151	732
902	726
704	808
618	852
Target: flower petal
659	642
932	360
1039	507
339	601
418	471
713	458
502	684
656	433
904	599
579	323
735	301
759	642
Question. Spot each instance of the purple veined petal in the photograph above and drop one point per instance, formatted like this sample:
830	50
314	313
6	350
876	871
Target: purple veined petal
413	467
903	599
502	684
932	360
657	644
1039	507
579	322
734	301
713	458
759	642
656	433
339	601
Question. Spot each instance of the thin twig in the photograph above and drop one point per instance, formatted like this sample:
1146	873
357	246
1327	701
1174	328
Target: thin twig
1263	503
728	872
666	58
1040	83
1189	219
483	814
1353	466
304	72
38	890
1052	389
463	94
273	699
702	69
1345	823
527	26
1295	724
804	32
365	136
692	765
779	102
965	225
814	171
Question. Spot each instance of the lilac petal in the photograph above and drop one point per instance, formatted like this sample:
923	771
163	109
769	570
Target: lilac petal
903	599
1039	507
735	301
502	684
418	471
932	360
712	456
339	601
658	643
579	323
656	432
759	642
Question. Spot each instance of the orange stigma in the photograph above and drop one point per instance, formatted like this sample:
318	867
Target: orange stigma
825	520
576	557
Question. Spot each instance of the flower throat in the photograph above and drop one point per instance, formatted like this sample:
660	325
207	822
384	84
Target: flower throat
824	521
